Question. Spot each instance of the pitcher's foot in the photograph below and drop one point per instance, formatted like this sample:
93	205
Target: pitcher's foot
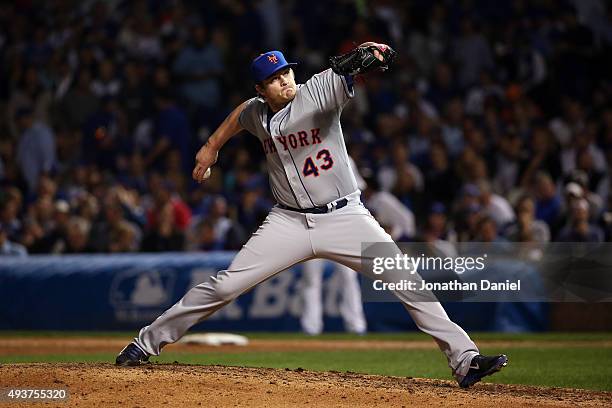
131	355
481	366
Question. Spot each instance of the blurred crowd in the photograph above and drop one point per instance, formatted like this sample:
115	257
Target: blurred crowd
495	124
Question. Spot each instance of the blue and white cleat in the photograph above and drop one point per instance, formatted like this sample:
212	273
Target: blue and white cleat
131	355
481	366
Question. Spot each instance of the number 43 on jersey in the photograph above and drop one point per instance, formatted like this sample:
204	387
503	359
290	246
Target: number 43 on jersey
323	158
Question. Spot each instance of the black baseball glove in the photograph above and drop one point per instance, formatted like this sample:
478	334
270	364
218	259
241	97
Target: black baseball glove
367	57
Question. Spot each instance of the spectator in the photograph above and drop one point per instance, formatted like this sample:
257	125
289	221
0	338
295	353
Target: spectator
543	156
113	232
36	149
388	176
572	121
548	202
106	83
216	230
420	142
466	212
204	238
134	177
526	228
11	202
31	235
135	96
475	139
440	179
172	133
575	190
452	126
472	53
226	230
578	228
39	225
487	230
253	206
7	156
443	88
605	220
124	237
469	167
104	140
79	103
413	104
38	51
198	68
495	206
466	222
507	162
30	95
165	234
53	240
77	236
389	211
139	38
87	207
486	91
405	189
595	178
436	226
584	149
9	248
167	207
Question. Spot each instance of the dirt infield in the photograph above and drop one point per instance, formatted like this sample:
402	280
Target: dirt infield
54	345
169	385
165	385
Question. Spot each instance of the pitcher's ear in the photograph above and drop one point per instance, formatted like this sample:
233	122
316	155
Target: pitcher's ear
259	89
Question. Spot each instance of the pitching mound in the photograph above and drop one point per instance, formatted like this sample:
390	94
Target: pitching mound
165	385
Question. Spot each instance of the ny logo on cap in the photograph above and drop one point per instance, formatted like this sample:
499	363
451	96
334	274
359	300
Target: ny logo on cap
273	59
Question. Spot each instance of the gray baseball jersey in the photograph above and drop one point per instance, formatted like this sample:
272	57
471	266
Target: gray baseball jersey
308	164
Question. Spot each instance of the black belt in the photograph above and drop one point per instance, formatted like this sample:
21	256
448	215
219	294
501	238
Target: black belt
334	205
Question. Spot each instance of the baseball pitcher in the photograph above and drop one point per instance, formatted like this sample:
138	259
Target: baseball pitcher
318	212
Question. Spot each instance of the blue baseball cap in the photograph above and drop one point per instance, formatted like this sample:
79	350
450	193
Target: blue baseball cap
267	64
470	189
437	208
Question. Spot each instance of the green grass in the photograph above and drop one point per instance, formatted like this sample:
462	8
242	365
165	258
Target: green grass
555	336
588	367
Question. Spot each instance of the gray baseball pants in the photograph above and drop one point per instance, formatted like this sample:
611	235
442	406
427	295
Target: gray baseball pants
286	238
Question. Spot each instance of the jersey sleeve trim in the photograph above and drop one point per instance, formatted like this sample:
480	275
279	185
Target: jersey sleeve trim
347	85
349	81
